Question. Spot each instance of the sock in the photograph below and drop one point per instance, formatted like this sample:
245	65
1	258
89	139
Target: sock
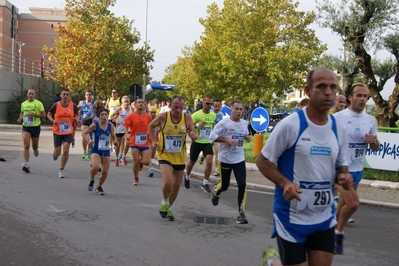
205	181
270	261
188	177
338	232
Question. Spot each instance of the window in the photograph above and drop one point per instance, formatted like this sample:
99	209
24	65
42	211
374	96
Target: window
52	25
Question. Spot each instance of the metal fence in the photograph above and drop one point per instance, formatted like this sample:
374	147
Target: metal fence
18	64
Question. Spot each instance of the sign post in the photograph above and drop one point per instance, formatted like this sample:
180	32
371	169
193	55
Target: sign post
259	121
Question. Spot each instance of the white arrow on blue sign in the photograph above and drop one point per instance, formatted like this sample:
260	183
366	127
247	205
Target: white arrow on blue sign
225	111
259	119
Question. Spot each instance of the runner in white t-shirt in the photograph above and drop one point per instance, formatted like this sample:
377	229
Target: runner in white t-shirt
361	134
230	133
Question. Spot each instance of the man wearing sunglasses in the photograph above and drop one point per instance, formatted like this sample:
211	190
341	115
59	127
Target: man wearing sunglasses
113	103
203	120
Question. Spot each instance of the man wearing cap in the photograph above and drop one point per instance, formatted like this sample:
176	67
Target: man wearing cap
167	106
113	103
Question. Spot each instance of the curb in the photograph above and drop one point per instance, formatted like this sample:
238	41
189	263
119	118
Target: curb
363	182
198	175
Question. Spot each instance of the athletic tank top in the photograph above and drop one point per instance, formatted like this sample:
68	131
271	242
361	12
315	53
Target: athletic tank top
172	141
85	108
113	105
102	139
120	128
64	117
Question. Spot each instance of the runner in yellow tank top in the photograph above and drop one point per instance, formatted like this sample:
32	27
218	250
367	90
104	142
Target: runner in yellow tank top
112	104
174	126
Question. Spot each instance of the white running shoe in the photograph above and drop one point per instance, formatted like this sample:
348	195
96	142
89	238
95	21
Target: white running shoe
61	174
26	168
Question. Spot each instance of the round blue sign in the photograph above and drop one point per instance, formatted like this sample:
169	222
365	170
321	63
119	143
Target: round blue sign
225	111
259	119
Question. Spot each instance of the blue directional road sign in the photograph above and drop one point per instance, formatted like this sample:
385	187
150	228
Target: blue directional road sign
259	119
225	111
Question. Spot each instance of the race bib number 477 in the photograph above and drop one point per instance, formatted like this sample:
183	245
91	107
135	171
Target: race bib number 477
173	144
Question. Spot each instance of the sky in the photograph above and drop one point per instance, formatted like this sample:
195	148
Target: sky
173	24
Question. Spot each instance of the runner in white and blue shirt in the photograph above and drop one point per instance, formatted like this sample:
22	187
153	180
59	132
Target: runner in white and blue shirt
303	152
85	106
305	155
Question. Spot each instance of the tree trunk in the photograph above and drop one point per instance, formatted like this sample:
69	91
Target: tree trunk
385	110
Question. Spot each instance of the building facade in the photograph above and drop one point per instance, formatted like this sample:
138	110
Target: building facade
23	35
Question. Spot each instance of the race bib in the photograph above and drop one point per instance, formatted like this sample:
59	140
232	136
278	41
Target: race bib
239	139
28	120
141	138
173	144
316	196
357	151
103	143
113	108
204	132
64	127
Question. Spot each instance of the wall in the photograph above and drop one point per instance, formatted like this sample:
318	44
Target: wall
10	83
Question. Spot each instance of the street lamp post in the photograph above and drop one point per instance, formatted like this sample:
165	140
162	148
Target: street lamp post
20	44
42	65
145	41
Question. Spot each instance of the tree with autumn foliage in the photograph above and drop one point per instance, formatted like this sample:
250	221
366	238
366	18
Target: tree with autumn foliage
251	50
366	26
96	50
183	75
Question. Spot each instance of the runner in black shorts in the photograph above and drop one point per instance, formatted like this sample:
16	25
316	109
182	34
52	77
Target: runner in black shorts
203	120
32	111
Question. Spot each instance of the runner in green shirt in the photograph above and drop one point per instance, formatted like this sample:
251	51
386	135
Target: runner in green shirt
32	111
203	120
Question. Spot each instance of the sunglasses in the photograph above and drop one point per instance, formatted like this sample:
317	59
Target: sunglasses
153	112
209	103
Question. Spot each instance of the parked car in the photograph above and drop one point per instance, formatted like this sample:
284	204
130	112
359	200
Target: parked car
274	119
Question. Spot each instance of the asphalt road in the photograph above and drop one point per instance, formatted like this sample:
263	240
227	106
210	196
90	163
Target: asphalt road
46	220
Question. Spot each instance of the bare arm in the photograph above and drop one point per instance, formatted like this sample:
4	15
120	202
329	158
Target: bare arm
373	141
50	117
80	104
344	178
269	170
87	131
21	114
113	134
190	127
42	114
158	121
115	114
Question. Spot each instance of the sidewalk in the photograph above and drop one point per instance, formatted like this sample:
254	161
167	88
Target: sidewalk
371	192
